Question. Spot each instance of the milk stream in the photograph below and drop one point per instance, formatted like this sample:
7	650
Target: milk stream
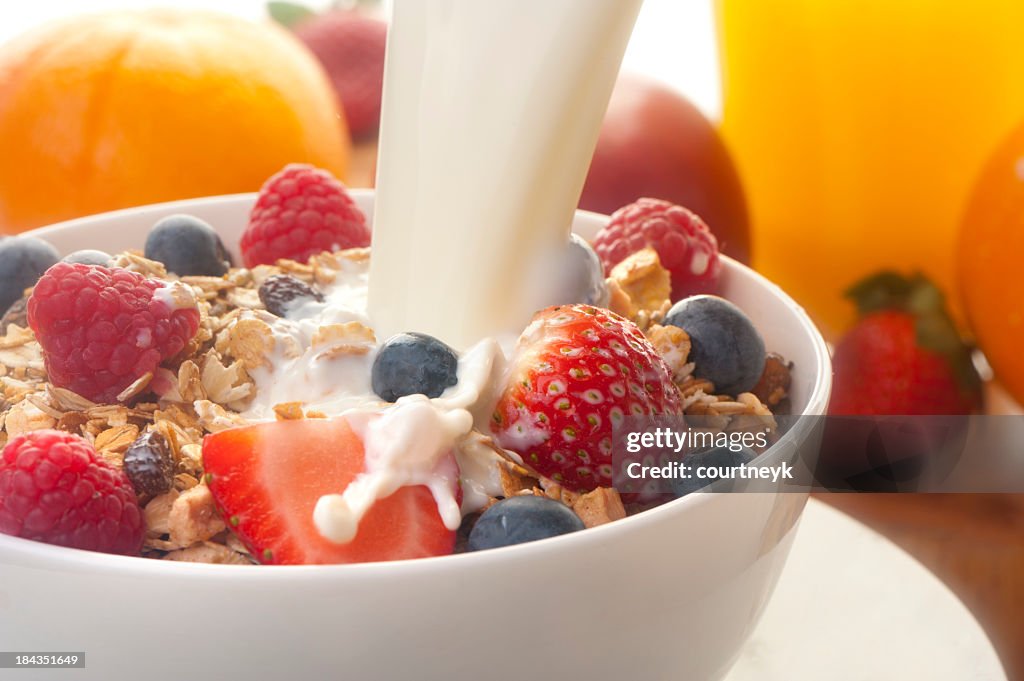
490	116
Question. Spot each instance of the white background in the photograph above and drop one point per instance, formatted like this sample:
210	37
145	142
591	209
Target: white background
673	40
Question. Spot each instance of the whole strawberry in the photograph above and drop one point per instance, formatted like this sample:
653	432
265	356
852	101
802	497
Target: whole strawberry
685	245
54	488
904	356
101	329
302	211
350	46
579	370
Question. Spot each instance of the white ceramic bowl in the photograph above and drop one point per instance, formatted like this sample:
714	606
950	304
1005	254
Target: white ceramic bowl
671	593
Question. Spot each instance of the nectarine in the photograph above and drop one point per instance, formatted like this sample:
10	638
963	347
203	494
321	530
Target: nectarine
655	143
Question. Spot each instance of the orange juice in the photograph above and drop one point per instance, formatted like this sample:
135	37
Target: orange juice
859	127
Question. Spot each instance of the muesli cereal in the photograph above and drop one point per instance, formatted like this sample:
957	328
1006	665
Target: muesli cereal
211	382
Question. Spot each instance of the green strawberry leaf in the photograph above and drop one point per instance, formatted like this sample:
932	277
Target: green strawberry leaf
288	13
882	291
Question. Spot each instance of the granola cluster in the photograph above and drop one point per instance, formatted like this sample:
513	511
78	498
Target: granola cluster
207	386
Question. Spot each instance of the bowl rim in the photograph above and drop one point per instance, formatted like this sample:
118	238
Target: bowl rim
19	551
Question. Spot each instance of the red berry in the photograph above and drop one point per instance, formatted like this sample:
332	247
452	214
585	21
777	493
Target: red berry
54	488
302	211
102	328
880	368
267	479
578	372
685	245
351	48
904	356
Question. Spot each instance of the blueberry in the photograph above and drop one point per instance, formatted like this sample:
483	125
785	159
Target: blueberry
719	457
517	520
587	279
188	247
726	348
283	292
88	257
413	364
23	259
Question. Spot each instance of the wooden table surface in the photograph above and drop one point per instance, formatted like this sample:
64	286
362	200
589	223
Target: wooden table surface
974	543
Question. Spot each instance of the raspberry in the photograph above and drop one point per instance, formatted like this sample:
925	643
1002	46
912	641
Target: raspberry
55	488
302	211
685	245
102	329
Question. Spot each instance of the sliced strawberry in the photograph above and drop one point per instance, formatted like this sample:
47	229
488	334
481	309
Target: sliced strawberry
267	479
578	372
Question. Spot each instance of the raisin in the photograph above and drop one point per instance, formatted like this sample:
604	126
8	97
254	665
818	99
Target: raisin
149	465
282	292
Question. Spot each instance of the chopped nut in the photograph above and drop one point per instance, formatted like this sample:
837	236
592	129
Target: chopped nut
72	422
515	478
642	277
194	517
553	490
673	344
773	387
600	506
288	411
156	513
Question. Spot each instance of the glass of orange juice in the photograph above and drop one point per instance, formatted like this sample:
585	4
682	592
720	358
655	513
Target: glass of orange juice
859	126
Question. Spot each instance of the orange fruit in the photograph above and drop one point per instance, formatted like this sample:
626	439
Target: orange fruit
120	109
990	258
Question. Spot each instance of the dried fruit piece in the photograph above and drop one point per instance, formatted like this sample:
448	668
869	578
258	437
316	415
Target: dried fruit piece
149	465
283	292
